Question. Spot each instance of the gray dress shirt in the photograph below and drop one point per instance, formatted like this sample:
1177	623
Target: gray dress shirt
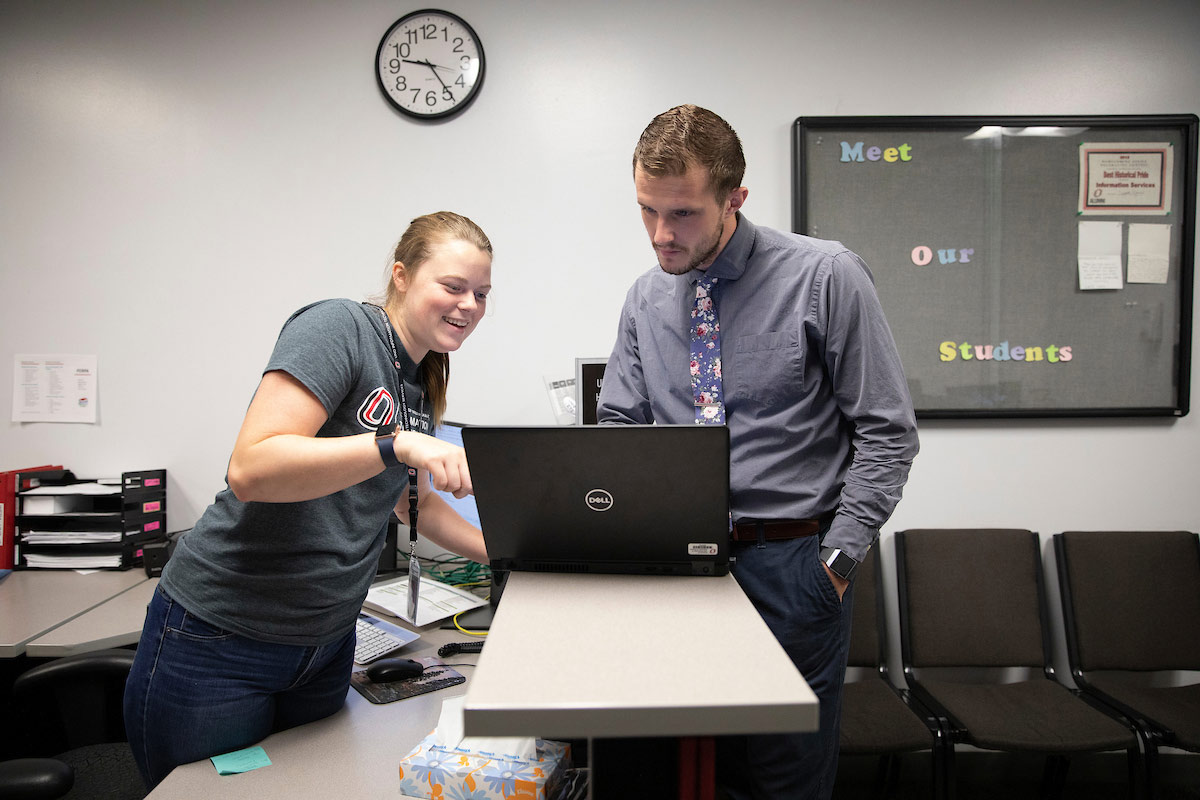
819	414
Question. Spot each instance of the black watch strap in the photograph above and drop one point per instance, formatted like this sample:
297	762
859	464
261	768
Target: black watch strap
839	562
385	440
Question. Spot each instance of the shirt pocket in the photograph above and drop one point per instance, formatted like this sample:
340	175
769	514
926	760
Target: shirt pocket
768	367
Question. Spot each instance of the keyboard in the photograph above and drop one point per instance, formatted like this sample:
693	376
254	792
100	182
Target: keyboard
374	642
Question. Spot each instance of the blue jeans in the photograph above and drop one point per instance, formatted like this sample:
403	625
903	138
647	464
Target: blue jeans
197	691
795	597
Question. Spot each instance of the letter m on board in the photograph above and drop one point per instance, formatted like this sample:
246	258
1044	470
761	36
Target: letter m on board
852	153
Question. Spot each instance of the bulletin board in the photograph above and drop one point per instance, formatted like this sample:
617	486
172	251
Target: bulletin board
1027	266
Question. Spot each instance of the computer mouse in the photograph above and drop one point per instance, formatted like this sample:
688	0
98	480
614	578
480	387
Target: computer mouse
393	669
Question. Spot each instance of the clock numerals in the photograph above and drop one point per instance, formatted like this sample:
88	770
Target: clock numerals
430	64
431	98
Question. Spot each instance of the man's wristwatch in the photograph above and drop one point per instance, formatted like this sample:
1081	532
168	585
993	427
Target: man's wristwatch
839	562
385	440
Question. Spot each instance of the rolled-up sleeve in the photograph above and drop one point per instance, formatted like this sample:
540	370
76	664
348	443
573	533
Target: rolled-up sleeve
870	389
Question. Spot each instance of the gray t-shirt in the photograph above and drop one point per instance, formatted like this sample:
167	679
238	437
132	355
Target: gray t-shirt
297	573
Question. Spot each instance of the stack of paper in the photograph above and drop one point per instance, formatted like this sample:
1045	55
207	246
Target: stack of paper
72	562
69	537
438	601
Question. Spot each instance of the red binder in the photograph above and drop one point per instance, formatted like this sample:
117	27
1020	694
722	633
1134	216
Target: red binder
8	511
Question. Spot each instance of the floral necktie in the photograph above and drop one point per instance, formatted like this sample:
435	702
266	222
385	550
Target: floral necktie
706	356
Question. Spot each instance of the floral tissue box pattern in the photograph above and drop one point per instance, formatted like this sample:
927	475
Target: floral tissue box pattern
438	772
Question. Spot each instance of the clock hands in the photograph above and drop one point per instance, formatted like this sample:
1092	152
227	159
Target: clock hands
433	68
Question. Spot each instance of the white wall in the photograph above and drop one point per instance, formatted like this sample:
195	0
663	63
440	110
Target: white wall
177	177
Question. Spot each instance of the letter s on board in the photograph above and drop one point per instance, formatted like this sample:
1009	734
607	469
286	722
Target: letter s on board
948	351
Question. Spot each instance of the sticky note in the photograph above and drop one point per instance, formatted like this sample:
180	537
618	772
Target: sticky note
241	761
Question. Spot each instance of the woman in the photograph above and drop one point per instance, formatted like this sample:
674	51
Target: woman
251	629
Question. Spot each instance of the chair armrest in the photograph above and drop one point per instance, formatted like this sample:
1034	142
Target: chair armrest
35	778
920	698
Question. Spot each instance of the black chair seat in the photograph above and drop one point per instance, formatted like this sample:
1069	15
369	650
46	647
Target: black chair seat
104	770
72	709
875	721
1036	715
973	608
1176	708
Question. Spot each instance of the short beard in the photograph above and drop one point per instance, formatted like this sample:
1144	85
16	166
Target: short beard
710	251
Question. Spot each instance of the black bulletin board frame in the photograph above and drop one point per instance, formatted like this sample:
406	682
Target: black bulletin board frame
921	189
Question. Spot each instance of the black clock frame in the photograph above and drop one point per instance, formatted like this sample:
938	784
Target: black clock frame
457	109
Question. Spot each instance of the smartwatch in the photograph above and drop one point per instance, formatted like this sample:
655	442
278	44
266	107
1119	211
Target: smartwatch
839	562
385	440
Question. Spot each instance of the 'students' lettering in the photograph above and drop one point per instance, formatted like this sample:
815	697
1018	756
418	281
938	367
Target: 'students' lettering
965	351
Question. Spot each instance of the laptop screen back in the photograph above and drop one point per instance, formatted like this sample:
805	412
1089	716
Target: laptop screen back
648	499
452	432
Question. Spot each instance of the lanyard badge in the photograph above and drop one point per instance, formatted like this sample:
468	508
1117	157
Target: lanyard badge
414	566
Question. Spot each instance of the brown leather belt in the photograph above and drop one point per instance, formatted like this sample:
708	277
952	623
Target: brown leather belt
773	529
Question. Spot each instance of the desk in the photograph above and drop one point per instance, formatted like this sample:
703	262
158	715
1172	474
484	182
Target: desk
114	623
355	753
574	656
37	601
569	656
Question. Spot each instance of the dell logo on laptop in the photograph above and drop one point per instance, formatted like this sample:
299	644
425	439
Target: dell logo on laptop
599	500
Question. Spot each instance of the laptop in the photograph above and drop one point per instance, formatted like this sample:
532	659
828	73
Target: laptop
630	499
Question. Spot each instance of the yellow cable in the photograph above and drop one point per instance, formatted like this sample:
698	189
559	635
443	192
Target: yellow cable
459	614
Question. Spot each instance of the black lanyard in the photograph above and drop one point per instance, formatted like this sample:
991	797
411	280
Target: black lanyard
414	565
407	426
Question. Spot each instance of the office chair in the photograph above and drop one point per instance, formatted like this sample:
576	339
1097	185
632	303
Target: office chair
1131	609
73	730
879	719
973	613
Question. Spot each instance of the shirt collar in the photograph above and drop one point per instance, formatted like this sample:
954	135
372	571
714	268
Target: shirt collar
731	261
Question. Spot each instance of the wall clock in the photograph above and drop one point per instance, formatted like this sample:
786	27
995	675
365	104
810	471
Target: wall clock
430	64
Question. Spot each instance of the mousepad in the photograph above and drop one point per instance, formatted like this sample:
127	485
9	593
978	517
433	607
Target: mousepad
436	676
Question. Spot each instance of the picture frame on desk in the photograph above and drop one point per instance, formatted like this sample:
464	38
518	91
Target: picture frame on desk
589	377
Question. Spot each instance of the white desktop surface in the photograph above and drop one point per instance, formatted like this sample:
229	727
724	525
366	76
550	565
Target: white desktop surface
116	622
585	655
568	656
35	601
353	754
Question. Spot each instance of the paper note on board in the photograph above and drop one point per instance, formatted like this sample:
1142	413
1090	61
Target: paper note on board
1099	255
1149	253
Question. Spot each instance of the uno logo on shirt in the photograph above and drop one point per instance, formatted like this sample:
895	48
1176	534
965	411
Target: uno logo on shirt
378	409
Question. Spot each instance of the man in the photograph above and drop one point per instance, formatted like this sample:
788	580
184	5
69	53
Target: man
810	384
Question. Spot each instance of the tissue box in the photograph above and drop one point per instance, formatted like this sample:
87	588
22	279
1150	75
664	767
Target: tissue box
458	773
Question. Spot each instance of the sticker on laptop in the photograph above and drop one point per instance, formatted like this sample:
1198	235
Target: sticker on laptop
702	549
